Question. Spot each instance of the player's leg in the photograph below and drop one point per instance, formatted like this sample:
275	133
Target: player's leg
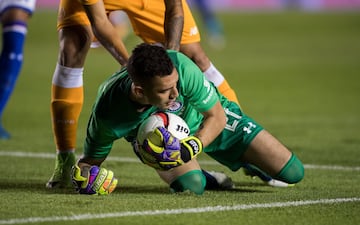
191	177
273	158
197	54
75	37
245	144
67	98
190	46
14	18
185	177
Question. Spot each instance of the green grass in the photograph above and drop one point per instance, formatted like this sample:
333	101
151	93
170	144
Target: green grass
295	73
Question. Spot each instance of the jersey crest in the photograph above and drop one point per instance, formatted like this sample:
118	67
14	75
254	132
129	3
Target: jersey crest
175	107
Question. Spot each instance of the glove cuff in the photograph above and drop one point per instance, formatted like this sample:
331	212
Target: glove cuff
190	148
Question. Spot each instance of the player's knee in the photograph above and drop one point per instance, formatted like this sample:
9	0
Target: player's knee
67	77
193	181
292	172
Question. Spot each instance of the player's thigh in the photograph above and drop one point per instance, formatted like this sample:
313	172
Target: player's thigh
147	19
266	152
170	175
74	45
71	13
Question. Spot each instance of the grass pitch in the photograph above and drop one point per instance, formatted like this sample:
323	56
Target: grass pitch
295	73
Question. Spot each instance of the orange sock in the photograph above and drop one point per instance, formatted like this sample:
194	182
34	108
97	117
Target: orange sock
66	105
228	92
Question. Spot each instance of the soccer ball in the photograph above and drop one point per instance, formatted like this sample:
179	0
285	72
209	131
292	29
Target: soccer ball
172	122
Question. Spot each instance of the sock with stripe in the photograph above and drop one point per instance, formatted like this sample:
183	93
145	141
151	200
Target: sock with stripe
213	75
11	60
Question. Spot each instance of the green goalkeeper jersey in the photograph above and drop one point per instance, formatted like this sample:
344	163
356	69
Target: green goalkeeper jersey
114	115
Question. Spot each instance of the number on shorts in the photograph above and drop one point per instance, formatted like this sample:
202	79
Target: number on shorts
235	123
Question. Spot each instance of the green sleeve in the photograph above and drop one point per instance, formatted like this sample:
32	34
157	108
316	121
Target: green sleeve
99	139
201	93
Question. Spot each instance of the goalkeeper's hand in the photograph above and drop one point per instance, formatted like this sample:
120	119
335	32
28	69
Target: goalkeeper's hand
93	180
169	151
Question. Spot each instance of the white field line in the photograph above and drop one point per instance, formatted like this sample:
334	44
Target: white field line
177	211
132	160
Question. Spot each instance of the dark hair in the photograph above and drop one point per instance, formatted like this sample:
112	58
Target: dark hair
147	61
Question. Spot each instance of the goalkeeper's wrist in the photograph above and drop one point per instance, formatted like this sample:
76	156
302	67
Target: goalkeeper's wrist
190	148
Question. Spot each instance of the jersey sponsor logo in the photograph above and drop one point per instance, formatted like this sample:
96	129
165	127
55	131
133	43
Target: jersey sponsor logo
175	107
207	85
209	90
206	100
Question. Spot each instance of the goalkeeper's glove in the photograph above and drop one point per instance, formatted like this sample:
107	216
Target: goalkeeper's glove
168	151
93	180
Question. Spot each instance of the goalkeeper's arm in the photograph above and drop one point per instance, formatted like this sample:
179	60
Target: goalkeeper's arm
87	161
190	147
213	124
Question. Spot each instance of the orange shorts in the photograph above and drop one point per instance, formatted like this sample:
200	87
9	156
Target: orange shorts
146	17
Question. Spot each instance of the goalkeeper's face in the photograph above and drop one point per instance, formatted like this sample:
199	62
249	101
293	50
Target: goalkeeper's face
162	91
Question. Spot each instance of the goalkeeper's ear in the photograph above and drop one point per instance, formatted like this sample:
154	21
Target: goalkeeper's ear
190	148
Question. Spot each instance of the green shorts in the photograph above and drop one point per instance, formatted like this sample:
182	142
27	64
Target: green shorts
234	140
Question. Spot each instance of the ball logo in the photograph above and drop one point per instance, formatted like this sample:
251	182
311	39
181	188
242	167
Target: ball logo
182	129
172	122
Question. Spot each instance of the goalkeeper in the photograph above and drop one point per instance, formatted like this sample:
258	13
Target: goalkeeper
156	79
169	22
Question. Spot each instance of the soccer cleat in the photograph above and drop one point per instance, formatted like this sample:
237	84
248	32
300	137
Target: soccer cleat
61	177
253	172
4	134
217	180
